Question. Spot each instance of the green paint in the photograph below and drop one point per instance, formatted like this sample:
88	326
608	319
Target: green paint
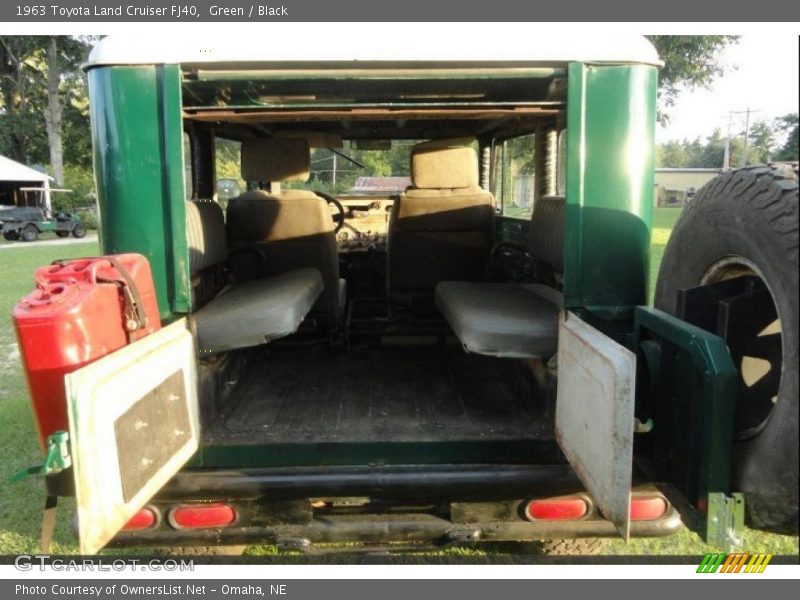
138	156
692	398
47	225
610	141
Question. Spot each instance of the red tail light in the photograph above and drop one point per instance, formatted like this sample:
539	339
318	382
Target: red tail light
556	509
144	519
648	508
197	516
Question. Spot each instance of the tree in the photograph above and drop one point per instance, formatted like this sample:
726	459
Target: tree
700	153
43	100
17	84
761	143
788	125
690	61
62	58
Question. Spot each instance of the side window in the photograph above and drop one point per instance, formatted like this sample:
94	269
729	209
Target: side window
561	164
513	176
496	172
227	158
188	185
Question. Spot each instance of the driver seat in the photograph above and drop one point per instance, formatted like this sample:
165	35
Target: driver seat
271	233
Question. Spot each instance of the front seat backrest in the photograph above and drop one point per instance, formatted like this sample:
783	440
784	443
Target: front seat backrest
285	230
442	227
546	241
208	249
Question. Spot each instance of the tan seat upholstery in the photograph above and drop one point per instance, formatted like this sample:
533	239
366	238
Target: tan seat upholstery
272	233
441	228
205	234
508	319
228	315
208	249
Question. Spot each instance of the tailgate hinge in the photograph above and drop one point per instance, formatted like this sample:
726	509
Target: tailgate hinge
725	524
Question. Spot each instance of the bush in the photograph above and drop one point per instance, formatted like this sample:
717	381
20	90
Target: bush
81	181
88	218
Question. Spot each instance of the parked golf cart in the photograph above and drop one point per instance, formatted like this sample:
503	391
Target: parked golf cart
27	222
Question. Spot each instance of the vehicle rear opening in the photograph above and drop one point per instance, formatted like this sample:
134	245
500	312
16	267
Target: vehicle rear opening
432	181
375	271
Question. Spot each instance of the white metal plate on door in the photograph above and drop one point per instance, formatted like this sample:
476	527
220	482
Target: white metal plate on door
595	415
133	424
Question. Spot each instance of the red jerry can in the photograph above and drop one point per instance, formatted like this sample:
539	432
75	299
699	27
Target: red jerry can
80	311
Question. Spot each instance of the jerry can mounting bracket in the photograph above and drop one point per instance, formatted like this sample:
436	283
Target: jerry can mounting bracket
56	458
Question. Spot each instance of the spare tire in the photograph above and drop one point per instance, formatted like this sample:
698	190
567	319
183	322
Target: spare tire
745	224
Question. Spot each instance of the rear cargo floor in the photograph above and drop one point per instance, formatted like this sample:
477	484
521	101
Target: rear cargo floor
376	396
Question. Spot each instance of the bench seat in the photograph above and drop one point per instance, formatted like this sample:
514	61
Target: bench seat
513	320
255	312
502	319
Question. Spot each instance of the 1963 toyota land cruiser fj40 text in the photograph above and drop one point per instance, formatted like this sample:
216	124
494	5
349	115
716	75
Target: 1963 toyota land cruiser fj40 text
463	355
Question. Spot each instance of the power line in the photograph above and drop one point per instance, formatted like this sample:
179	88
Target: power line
727	157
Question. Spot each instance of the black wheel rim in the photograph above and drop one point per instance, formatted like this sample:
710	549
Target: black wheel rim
749	322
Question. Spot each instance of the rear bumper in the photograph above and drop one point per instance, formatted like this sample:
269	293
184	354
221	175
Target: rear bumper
426	531
414	506
474	482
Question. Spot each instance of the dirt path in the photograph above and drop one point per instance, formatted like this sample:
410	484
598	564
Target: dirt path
92	237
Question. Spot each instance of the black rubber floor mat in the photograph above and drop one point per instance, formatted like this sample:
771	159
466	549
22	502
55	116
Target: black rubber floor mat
382	396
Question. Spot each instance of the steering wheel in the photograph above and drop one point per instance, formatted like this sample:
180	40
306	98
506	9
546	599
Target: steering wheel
338	218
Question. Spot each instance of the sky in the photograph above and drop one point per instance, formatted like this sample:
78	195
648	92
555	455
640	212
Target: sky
761	72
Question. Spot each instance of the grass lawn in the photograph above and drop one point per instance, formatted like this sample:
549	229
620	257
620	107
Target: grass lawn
21	503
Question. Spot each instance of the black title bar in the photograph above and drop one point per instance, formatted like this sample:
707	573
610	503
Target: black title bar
229	11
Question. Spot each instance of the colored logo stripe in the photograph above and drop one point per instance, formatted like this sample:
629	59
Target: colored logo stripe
710	563
738	562
758	563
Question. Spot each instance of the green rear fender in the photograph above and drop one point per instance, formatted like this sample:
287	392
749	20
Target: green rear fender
138	155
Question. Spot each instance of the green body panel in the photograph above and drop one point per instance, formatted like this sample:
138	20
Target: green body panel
610	137
47	225
138	155
690	393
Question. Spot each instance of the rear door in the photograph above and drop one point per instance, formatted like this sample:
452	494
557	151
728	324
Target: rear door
133	424
595	415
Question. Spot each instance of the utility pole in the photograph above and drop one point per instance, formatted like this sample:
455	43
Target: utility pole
726	160
746	135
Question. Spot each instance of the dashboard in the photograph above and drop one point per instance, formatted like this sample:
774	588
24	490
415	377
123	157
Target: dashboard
366	222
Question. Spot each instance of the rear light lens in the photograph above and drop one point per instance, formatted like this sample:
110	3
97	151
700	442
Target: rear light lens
648	508
556	509
199	516
144	519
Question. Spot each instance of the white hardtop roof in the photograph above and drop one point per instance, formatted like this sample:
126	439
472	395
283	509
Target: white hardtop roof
395	42
11	170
